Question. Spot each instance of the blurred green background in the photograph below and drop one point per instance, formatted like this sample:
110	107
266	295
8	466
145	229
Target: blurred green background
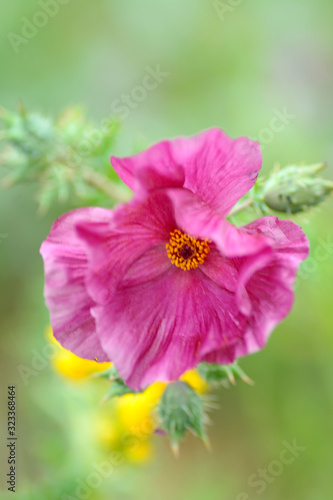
229	66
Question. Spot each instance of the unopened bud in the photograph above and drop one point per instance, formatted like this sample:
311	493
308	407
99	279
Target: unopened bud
181	409
294	189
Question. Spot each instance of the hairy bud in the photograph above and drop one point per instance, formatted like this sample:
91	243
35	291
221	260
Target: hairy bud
181	409
294	189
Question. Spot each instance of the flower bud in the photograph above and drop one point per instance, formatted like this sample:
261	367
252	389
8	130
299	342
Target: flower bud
181	409
294	189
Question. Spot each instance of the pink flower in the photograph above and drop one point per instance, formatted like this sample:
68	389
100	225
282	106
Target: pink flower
165	281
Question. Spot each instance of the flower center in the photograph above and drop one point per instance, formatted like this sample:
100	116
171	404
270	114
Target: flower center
186	252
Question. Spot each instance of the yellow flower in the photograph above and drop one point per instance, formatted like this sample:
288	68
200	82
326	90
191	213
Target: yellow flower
126	426
133	420
113	433
71	366
136	409
130	423
197	383
127	423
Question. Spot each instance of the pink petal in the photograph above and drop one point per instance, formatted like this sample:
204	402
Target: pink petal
156	167
113	247
197	218
156	330
265	284
218	169
65	264
220	269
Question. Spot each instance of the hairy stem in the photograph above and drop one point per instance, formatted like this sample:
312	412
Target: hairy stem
111	189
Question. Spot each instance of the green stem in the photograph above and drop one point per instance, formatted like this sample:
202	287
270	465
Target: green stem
242	206
110	188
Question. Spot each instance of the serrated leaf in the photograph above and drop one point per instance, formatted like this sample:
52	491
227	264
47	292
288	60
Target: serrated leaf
118	386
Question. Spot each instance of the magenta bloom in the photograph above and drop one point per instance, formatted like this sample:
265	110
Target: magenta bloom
165	282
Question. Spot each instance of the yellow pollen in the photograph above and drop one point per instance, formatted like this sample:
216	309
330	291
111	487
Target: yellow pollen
186	252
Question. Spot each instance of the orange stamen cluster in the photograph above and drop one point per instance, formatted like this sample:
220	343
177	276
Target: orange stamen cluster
186	252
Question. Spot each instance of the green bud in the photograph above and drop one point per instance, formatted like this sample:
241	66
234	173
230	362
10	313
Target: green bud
294	189
181	409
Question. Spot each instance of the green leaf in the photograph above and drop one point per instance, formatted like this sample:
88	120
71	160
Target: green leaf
118	386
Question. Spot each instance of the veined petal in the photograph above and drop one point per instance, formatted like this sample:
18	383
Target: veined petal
135	231
65	263
218	169
265	282
157	330
198	219
155	168
220	269
139	286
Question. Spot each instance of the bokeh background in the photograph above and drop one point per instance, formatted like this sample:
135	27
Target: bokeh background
231	66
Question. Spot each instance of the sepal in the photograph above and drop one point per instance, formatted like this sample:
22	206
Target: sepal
225	375
181	409
118	386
